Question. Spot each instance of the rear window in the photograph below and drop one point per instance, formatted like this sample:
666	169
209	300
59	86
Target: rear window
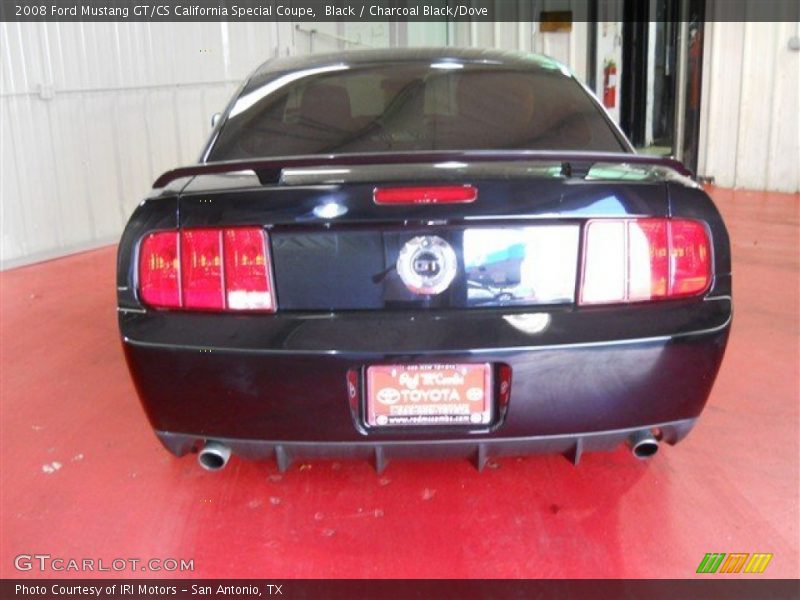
410	107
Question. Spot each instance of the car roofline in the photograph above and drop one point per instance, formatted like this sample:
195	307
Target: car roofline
377	56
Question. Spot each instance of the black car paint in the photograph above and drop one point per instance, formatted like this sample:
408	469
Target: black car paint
284	376
274	385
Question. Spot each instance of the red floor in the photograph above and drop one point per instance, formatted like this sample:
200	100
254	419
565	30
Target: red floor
732	486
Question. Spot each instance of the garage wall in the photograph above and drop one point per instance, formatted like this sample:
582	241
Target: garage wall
750	108
92	113
566	47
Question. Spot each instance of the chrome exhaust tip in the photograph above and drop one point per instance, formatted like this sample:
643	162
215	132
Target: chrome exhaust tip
643	444
214	456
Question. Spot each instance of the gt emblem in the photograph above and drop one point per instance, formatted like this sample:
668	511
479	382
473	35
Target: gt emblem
427	264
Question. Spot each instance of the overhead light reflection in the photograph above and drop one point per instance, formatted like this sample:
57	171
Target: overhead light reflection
312	172
248	100
530	323
450	165
329	210
446	65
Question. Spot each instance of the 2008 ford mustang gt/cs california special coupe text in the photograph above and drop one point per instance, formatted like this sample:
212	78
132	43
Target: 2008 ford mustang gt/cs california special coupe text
422	253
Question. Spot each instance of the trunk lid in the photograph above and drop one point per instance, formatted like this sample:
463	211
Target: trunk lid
334	248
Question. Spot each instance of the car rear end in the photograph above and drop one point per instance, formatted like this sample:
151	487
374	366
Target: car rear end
386	303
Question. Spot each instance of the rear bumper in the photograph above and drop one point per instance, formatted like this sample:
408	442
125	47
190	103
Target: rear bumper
277	385
380	453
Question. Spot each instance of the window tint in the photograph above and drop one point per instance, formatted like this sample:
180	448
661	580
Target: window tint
413	107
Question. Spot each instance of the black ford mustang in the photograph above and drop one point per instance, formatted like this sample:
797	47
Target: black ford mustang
424	252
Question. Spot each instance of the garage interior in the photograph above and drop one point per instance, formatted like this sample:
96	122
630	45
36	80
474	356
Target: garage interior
85	130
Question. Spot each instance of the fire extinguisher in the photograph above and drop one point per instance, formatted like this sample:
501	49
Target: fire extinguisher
610	84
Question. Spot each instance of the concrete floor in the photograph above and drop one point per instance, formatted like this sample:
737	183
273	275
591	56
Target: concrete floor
83	476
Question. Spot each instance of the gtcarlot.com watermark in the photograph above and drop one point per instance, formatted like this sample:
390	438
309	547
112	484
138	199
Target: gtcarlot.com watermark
46	563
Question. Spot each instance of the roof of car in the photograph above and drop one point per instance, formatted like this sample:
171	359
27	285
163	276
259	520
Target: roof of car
388	55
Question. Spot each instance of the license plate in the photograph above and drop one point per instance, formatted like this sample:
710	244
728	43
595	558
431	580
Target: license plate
435	394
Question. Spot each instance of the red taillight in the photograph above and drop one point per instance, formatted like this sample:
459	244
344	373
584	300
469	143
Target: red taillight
690	259
160	270
438	194
201	269
648	259
209	269
633	260
247	281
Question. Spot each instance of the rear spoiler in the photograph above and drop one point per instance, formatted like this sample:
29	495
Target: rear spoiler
573	164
